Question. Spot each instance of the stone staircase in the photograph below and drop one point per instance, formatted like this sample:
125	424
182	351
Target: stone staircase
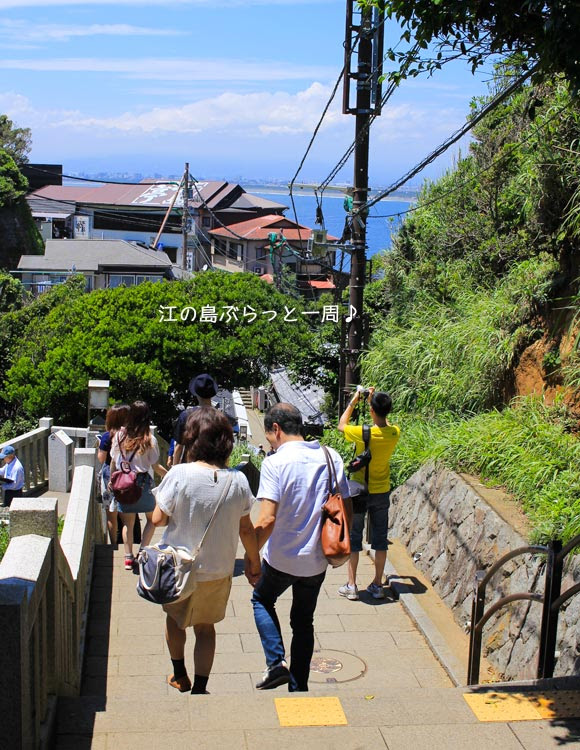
246	397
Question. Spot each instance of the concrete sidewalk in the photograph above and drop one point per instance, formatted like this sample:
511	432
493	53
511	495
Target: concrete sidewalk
393	691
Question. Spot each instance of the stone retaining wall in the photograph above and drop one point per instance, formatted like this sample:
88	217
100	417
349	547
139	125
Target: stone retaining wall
451	532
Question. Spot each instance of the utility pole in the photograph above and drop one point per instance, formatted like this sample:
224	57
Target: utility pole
185	218
369	36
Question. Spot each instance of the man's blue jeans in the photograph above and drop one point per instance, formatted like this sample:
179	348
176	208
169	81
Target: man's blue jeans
305	592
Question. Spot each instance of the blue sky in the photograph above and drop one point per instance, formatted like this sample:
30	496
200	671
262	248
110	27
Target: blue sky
235	88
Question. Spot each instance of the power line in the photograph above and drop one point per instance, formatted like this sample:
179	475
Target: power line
453	138
497	160
312	139
348	153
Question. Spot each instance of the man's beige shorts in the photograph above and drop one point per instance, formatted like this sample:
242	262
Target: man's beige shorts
207	604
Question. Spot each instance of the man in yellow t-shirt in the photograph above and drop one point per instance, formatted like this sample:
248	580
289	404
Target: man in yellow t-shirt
383	439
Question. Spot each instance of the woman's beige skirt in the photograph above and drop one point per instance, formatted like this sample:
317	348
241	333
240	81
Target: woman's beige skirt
207	604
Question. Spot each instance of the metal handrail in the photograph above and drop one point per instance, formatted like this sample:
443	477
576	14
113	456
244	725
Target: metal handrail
478	614
527	596
574	542
509	556
552	600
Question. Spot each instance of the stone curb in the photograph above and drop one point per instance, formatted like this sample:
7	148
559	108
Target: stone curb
437	643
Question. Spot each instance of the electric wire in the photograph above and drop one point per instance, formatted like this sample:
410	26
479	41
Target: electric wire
453	138
393	85
497	160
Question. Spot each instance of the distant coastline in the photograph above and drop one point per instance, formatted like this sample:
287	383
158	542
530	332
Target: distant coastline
332	191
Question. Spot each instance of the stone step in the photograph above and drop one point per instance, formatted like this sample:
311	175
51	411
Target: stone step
246	397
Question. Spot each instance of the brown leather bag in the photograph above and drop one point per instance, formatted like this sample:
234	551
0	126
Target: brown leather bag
335	534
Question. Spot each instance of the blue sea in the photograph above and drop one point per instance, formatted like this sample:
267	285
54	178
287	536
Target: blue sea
383	221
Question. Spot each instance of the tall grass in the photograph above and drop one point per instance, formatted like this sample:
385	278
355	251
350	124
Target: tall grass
524	449
4	539
455	356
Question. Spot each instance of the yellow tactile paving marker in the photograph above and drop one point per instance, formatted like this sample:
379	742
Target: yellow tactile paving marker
310	712
556	704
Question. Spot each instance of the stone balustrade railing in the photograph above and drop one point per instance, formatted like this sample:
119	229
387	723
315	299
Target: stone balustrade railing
32	451
44	593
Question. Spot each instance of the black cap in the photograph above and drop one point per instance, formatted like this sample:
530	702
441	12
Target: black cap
203	386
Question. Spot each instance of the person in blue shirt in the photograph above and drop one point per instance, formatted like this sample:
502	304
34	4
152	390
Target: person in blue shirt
12	472
170	453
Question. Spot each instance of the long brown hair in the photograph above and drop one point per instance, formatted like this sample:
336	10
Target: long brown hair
208	436
136	434
117	416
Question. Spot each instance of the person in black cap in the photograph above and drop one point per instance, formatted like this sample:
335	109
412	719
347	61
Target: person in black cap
204	388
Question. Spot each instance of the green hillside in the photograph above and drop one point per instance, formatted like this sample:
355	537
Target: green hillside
483	274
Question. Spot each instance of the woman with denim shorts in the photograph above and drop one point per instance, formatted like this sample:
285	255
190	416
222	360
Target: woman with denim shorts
135	445
116	418
383	440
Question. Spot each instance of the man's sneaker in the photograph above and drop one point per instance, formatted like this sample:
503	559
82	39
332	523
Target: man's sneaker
274	677
351	592
376	591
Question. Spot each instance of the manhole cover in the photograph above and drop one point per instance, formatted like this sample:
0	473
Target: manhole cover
335	666
323	665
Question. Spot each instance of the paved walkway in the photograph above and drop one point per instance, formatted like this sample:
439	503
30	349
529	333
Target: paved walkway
396	695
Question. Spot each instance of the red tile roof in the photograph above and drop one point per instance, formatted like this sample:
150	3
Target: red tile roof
322	284
260	227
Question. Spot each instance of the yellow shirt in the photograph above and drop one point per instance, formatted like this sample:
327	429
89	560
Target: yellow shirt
382	444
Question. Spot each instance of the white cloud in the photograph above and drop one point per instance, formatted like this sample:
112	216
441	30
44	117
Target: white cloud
25	32
251	114
176	69
14	105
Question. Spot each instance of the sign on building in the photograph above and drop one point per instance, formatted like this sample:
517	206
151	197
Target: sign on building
82	227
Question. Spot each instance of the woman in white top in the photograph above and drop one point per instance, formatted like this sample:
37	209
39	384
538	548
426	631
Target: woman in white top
137	446
186	499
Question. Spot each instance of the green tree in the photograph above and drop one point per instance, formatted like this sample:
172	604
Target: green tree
15	141
13	184
547	32
123	335
12	293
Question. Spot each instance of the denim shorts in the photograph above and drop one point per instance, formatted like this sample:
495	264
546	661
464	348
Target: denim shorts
378	510
146	503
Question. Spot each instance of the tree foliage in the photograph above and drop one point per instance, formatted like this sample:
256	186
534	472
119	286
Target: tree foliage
12	293
514	197
118	335
13	184
15	141
547	32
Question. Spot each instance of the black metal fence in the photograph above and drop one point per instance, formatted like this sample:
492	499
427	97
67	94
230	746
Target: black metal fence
552	600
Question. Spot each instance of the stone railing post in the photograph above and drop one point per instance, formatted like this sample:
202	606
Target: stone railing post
45	423
15	696
40	516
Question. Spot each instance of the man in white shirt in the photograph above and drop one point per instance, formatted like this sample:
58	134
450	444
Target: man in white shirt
13	471
293	489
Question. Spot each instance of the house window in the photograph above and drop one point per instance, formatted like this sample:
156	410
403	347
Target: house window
150	277
235	250
116	280
206	221
219	247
